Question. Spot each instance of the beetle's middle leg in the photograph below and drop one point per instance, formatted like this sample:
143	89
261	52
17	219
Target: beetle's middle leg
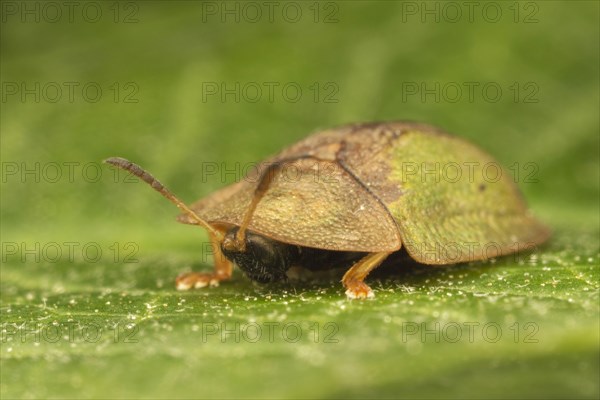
353	279
223	270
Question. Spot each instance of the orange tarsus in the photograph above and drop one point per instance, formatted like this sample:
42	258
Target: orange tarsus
353	279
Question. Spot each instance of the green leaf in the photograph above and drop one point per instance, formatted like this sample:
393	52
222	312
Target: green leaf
88	306
507	328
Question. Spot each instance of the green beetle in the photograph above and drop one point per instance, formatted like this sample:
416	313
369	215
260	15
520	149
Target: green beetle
352	196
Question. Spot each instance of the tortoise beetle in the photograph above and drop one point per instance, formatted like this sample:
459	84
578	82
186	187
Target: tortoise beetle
388	185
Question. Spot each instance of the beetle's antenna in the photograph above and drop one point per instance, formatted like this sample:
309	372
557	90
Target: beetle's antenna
263	185
156	185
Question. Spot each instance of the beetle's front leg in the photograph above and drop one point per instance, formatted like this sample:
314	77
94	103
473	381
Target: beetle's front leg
222	272
353	279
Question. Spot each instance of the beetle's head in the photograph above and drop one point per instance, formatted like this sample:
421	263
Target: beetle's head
262	259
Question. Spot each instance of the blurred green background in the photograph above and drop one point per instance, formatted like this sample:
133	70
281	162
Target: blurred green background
86	325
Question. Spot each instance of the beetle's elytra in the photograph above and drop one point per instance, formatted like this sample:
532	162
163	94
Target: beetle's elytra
358	194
